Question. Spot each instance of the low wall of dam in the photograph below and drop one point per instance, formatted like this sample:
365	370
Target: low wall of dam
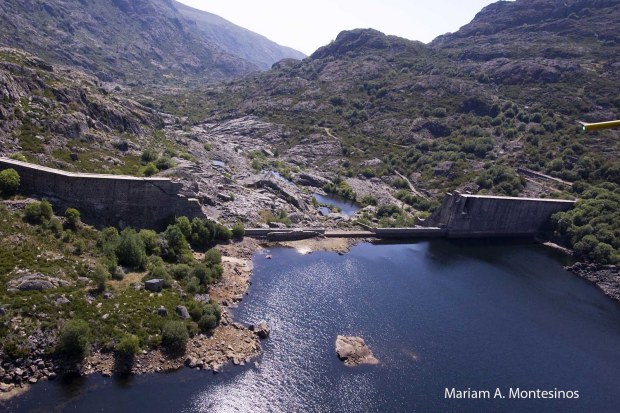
106	200
463	215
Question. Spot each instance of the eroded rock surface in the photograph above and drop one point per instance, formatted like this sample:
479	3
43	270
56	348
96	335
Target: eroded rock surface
354	351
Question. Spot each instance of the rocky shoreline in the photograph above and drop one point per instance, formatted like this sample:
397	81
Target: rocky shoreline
229	342
606	277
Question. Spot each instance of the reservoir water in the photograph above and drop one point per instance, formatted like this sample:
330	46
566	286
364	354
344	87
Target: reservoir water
346	207
436	314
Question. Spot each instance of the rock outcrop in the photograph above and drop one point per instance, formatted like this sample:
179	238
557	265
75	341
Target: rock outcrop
606	277
353	351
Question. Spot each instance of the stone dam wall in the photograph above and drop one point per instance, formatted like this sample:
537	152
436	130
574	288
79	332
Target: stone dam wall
106	200
463	216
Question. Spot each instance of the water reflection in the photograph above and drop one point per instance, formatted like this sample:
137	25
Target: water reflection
436	314
346	207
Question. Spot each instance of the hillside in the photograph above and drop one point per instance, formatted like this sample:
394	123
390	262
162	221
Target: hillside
237	40
467	111
394	124
65	118
138	42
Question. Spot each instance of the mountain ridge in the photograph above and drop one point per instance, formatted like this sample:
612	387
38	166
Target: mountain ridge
136	42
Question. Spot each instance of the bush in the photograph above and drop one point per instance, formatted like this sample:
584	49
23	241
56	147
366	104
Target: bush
213	257
174	336
151	241
238	230
201	235
73	218
204	274
185	226
181	271
18	157
150	169
149	155
131	251
176	246
9	182
75	339
164	163
100	276
207	322
128	346
32	213
55	226
46	210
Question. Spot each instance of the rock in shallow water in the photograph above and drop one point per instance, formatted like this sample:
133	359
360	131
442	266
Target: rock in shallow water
353	351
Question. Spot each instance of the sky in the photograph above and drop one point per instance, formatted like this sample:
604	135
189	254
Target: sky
308	25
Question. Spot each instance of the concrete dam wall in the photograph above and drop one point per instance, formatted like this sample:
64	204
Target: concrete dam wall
106	200
494	216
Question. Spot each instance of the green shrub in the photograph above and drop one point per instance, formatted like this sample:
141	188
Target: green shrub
185	226
100	276
176	246
9	182
206	275
131	251
46	210
128	346
149	155
238	230
75	339
174	336
201	235
193	286
80	246
151	241
18	157
150	169
212	257
32	213
164	163
73	218
55	226
207	322
181	271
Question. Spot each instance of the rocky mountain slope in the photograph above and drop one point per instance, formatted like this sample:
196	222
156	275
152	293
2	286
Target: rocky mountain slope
61	117
237	40
138	41
492	108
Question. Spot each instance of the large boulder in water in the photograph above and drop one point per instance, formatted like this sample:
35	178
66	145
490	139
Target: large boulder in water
353	351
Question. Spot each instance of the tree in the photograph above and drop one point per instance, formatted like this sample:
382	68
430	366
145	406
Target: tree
174	336
185	226
131	251
75	339
9	182
176	244
151	241
73	218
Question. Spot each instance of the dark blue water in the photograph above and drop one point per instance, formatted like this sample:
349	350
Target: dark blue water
347	207
436	314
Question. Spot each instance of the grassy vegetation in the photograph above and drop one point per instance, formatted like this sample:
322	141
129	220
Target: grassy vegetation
34	243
